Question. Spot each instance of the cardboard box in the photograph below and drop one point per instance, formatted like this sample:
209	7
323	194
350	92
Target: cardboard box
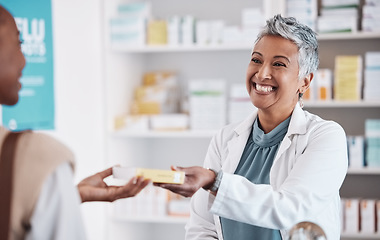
355	151
367	216
351	215
156	175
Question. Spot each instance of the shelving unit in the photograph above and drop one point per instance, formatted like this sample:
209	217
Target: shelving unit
235	47
360	236
149	219
124	67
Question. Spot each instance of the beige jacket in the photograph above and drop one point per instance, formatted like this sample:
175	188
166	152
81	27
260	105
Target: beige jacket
37	155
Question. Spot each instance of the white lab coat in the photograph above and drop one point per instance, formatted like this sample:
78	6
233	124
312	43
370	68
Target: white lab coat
307	172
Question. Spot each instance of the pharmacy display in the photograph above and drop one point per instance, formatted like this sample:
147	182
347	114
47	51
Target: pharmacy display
35	109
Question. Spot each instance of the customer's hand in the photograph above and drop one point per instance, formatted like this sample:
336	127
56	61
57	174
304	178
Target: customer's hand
195	178
93	188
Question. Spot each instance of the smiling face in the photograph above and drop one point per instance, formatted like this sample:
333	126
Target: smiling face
12	60
272	76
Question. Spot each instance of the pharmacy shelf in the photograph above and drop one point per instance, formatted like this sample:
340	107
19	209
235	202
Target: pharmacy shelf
168	134
360	235
152	219
348	35
364	171
344	104
181	48
231	47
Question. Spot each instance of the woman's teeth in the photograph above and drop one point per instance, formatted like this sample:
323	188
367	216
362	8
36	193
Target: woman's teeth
262	88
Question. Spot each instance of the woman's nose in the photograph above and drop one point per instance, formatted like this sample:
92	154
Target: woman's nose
264	72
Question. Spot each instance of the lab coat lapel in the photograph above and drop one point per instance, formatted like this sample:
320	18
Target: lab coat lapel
237	144
297	125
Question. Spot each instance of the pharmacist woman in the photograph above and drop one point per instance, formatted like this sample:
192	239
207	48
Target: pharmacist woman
280	166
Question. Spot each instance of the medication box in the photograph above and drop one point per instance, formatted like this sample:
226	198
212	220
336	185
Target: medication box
156	175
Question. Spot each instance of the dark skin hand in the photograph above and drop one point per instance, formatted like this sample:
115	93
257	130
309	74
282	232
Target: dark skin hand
195	178
93	188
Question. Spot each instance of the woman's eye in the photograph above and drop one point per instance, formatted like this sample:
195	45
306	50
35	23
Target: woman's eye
278	64
255	60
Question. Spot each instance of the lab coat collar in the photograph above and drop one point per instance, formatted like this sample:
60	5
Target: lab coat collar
297	123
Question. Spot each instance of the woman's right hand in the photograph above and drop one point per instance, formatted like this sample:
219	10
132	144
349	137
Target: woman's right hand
195	178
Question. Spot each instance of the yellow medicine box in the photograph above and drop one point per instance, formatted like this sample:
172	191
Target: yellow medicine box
156	175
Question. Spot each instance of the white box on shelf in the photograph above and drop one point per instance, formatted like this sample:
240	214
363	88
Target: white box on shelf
339	3
133	123
232	35
136	9
240	105
370	25
323	83
367	216
174	30
342	214
187	30
351	215
216	30
371	12
202	32
329	24
372	2
207	104
252	17
127	31
372	59
169	122
355	151
371	84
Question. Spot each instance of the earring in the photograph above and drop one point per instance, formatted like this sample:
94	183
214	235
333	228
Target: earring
300	100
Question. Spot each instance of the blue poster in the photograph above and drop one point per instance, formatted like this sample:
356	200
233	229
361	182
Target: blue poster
35	109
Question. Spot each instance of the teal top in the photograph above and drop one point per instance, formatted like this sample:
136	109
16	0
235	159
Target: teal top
255	165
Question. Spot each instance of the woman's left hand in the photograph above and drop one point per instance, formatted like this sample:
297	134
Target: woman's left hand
93	188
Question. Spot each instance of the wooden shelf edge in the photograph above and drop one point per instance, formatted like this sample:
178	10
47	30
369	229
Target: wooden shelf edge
151	219
232	47
364	171
361	235
158	134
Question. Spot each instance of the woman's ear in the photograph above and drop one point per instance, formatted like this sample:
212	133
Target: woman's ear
305	82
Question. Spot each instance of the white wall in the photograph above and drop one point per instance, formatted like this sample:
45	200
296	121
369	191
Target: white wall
79	95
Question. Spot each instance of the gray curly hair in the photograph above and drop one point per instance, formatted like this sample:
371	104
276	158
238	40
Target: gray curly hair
304	37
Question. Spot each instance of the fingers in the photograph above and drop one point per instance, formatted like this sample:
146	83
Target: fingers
105	173
178	190
176	168
132	188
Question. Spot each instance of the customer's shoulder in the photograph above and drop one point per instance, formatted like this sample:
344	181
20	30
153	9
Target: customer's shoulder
42	142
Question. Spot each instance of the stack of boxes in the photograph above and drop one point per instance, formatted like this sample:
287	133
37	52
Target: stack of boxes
348	77
134	25
240	105
305	11
338	16
360	216
371	76
372	133
128	27
320	87
207	104
364	151
371	16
